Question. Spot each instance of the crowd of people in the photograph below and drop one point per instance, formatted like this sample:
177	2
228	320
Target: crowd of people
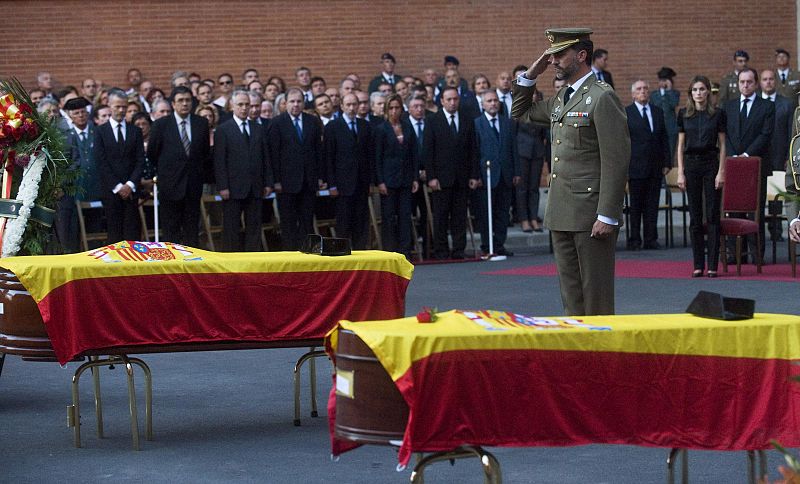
315	143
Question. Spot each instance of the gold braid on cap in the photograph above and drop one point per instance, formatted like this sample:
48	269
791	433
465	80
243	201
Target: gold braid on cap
563	43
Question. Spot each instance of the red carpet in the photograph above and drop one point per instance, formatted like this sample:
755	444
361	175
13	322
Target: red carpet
650	269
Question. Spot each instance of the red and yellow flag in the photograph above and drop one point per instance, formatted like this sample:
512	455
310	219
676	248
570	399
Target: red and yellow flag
148	293
501	379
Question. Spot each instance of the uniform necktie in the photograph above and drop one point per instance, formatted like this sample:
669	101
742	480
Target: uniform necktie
505	103
244	131
568	94
453	123
783	78
646	120
83	138
494	128
185	137
298	128
120	138
743	113
600	76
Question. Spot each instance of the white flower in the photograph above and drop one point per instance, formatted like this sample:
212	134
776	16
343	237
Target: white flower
28	191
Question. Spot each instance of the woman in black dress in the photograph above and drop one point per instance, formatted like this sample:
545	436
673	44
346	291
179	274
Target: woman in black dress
701	170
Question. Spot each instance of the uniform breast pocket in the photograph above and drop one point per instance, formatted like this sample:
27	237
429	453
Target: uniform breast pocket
580	127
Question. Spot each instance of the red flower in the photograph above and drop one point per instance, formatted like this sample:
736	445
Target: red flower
427	315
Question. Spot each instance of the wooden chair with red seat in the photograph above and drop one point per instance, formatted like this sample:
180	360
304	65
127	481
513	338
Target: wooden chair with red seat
740	195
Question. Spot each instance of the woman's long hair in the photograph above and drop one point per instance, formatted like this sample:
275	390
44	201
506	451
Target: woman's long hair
691	109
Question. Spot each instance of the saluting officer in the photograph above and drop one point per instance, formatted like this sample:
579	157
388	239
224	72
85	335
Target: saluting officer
590	155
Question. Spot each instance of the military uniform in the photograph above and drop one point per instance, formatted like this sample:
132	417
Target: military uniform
728	88
590	155
791	88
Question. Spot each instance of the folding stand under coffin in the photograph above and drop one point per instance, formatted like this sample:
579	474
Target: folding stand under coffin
99	359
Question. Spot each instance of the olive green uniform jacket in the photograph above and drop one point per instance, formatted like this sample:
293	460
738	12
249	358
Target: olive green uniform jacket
591	150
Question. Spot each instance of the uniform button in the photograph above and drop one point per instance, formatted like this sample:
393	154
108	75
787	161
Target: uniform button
555	159
575	125
554	175
558	141
560	125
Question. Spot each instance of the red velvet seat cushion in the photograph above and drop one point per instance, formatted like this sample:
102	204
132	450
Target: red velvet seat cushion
738	226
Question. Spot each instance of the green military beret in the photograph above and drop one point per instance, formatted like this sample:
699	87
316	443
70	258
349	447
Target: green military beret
561	39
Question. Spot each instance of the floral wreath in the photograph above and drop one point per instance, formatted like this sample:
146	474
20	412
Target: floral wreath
36	174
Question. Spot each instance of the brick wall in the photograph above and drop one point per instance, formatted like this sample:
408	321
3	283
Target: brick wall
76	39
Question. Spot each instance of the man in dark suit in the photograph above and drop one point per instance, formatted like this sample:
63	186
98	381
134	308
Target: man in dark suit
599	64
650	161
451	167
296	151
119	154
496	141
750	123
243	174
79	141
468	103
179	149
350	153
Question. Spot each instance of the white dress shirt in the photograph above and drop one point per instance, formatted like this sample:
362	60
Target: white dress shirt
649	112
178	120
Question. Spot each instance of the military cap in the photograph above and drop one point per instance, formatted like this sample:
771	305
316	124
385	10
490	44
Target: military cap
561	39
76	103
388	56
666	73
782	51
741	53
451	59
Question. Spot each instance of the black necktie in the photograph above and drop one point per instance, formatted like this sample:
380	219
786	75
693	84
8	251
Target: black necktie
644	117
783	78
600	76
743	113
246	134
120	138
568	94
494	128
353	127
419	133
453	123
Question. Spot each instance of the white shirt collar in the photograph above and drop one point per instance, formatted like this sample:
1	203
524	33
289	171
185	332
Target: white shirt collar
81	131
751	98
239	121
577	84
641	106
114	124
348	119
387	76
500	94
447	115
771	97
490	117
299	117
784	71
178	119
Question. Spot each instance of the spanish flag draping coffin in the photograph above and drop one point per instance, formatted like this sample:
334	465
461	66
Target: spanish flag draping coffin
148	293
502	379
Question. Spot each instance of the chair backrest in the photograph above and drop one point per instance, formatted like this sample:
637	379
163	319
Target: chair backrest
742	187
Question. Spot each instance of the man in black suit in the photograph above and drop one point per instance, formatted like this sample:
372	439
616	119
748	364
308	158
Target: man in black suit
349	150
179	149
750	123
599	64
296	151
243	174
451	167
119	154
650	161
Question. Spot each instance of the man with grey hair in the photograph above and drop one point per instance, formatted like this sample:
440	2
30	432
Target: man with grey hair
159	109
377	100
650	161
180	78
44	81
243	174
119	154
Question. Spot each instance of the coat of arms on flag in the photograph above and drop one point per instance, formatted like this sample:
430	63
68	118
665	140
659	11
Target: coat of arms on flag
132	251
